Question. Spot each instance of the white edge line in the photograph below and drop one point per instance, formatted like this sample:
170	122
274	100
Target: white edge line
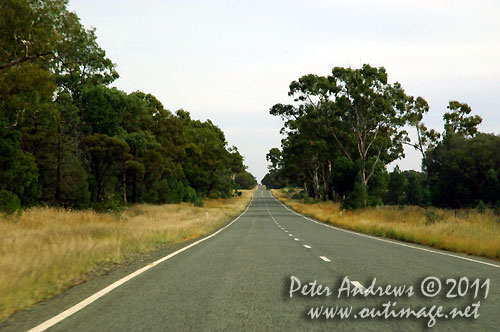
390	241
77	307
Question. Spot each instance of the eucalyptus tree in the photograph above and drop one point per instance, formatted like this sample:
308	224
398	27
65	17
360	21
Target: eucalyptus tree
355	109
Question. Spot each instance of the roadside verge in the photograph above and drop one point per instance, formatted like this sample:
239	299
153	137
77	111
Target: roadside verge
48	251
468	233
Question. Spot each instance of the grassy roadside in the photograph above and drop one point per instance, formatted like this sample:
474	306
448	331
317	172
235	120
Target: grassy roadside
462	231
46	250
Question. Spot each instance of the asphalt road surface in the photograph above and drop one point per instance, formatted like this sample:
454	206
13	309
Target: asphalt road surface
241	280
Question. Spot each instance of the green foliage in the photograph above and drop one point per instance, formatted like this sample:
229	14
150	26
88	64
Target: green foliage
110	204
9	203
68	139
456	121
459	170
396	191
414	190
245	180
480	206
490	188
357	198
431	217
496	209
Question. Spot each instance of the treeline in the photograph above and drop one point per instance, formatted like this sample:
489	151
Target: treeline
68	139
342	130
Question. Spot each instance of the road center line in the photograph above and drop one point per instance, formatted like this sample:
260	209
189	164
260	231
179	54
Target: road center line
395	242
324	258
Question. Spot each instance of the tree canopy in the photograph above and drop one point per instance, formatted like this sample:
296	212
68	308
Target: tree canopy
342	130
69	139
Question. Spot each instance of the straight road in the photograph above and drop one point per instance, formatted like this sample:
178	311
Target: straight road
240	280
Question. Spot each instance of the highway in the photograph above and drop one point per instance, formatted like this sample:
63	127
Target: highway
241	280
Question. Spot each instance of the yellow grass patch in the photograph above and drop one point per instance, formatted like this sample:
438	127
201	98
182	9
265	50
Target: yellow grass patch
462	231
47	250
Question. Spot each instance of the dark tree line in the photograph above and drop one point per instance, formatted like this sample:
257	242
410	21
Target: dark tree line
68	139
342	130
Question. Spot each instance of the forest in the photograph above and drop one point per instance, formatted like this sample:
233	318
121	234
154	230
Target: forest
69	139
343	130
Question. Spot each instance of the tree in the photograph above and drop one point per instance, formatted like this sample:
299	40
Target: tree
426	138
245	180
356	109
415	189
490	188
458	167
396	191
456	121
106	154
28	30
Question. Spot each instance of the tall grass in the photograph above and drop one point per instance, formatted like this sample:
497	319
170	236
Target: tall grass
47	250
463	231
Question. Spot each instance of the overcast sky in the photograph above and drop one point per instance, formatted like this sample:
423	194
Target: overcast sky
230	61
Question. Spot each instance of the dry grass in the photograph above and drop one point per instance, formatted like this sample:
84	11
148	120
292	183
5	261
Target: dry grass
48	250
462	231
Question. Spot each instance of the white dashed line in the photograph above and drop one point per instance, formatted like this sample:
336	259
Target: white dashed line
306	246
286	231
296	239
434	251
290	234
324	258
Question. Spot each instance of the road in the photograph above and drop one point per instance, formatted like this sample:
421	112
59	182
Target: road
240	280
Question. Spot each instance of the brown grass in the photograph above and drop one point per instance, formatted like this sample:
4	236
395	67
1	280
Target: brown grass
462	231
47	250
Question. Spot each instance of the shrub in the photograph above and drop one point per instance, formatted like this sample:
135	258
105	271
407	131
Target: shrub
481	208
9	202
356	199
110	204
431	217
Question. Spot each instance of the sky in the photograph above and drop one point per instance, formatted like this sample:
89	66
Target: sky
230	61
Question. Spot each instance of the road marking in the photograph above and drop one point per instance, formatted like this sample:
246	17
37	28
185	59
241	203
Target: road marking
358	285
79	306
324	258
290	234
390	241
306	246
296	239
286	231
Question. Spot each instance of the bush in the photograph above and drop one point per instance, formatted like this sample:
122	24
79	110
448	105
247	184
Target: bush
374	201
301	195
9	203
356	199
496	209
110	204
192	196
481	208
431	217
